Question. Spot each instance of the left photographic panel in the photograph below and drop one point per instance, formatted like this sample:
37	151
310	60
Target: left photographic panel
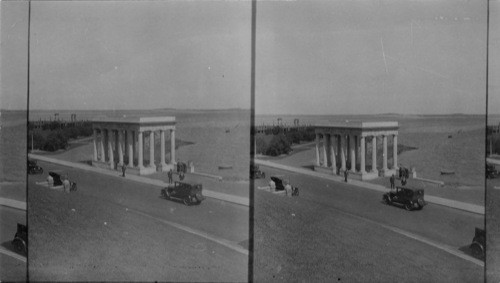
139	125
13	121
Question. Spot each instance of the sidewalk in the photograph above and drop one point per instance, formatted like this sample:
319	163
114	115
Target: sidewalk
13	203
431	199
208	193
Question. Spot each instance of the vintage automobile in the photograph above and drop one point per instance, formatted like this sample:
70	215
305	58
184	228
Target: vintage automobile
280	186
33	168
409	198
185	192
57	177
478	243
491	171
255	173
20	241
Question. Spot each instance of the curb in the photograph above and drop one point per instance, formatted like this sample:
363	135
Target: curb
208	193
13	203
473	208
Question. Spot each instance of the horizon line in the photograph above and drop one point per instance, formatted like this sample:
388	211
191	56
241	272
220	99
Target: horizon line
270	114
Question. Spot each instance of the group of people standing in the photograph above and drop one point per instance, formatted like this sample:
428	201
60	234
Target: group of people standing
404	174
181	171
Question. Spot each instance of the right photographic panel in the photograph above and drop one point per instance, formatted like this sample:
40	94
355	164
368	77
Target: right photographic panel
369	135
493	148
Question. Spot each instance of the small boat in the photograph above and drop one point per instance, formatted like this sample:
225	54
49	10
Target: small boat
225	166
447	172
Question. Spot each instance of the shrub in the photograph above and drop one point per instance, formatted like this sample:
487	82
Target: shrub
37	138
55	140
260	145
278	145
71	132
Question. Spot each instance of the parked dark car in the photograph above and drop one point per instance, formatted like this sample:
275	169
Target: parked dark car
185	192
491	171
409	198
280	186
20	241
255	173
478	243
58	178
33	168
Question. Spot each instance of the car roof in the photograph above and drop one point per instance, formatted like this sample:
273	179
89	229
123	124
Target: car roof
410	189
278	176
187	183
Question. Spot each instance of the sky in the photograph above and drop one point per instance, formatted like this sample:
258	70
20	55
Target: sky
128	55
371	57
312	57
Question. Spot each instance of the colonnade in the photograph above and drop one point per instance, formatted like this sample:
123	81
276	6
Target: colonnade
343	147
339	150
130	144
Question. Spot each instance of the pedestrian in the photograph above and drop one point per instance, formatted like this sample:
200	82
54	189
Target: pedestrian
288	189
50	181
346	173
124	168
403	180
66	185
392	181
181	176
400	171
170	173
272	185
178	166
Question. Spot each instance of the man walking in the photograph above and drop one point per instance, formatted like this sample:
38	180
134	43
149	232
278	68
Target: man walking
124	168
346	173
392	181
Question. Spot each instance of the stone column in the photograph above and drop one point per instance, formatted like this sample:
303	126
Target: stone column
395	152
374	154
384	161
134	145
353	153
342	152
317	149
172	146
332	154
162	149
362	144
130	146
111	149
152	149
140	161
120	147
325	157
95	145
101	145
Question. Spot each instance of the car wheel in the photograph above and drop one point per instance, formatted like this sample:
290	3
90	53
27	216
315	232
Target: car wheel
476	250
386	199
169	194
186	201
420	204
19	246
408	206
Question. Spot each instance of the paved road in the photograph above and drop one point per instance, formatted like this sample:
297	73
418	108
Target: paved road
339	209
220	223
13	265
